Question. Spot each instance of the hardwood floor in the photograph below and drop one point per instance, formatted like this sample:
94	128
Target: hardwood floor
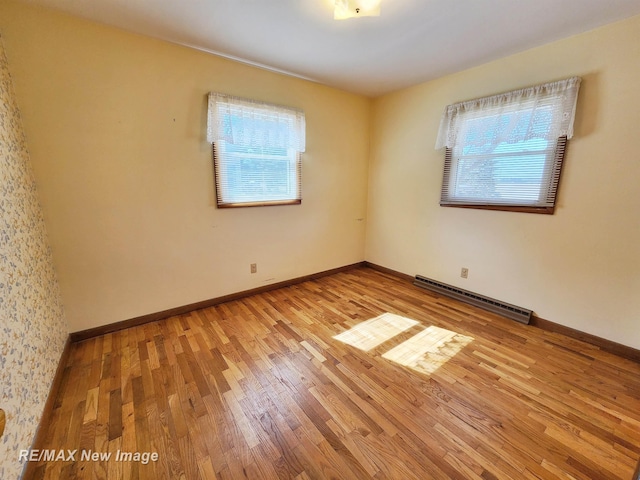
413	387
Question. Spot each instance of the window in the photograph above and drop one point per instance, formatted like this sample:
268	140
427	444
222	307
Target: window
256	151
505	152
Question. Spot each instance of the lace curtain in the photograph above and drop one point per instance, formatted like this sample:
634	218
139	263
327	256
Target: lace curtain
544	111
240	121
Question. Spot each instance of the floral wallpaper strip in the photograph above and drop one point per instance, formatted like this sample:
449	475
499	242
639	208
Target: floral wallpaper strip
33	328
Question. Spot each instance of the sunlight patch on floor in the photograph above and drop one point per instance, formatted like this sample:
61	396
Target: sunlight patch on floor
374	332
428	350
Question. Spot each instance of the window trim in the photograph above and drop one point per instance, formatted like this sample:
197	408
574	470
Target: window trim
454	134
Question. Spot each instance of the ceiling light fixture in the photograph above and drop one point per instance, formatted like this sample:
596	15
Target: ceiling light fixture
356	8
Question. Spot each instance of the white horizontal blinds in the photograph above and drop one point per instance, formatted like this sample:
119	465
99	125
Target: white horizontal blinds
256	151
501	150
512	178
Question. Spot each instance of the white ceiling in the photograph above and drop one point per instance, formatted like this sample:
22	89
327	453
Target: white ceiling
410	42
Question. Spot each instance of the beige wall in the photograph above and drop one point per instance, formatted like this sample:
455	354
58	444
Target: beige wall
579	267
115	123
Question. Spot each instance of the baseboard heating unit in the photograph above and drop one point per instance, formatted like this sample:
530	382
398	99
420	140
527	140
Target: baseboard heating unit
518	314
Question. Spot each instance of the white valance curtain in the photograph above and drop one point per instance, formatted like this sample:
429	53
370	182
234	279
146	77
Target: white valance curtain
544	111
241	121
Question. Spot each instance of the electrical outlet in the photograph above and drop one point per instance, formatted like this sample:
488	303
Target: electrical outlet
464	273
254	268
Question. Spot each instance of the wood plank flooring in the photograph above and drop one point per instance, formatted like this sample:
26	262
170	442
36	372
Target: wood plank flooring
414	387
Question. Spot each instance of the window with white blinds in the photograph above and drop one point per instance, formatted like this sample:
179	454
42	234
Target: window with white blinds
256	150
506	151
